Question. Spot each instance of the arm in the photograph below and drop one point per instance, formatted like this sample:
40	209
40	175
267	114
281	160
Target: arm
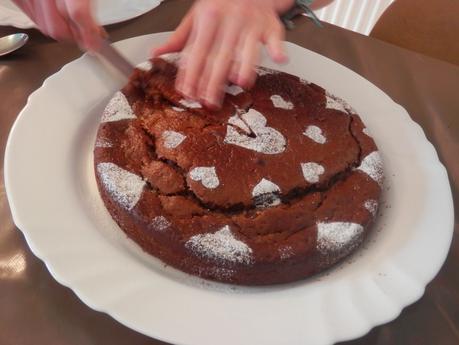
220	40
64	20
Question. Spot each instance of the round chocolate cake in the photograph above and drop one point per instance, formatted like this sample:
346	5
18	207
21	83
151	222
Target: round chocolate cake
280	183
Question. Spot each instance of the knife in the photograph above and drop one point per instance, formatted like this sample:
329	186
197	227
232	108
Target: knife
110	54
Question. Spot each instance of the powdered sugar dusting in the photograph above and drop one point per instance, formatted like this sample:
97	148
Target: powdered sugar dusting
236	121
207	176
172	58
187	103
312	171
372	166
102	142
265	71
265	194
172	139
336	103
337	235
371	206
267	140
281	103
315	133
264	187
220	246
160	223
366	131
286	252
118	109
233	90
125	187
178	109
218	272
145	66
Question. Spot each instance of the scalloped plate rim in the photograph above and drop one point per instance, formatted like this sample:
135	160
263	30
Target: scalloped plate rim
60	276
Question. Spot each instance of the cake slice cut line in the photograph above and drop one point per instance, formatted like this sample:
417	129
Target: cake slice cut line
267	140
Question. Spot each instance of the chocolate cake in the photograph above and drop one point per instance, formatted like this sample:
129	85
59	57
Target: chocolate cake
280	183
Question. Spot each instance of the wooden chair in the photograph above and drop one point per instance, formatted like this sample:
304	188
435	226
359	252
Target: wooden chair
430	27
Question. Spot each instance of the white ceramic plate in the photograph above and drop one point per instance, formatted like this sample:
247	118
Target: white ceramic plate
106	11
54	201
359	16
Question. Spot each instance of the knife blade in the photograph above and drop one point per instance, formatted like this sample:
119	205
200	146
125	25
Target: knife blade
114	58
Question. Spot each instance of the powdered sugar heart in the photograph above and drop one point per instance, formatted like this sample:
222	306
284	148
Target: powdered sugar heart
172	139
207	176
265	194
233	90
160	223
261	71
220	246
312	171
334	236
173	58
125	187
178	109
187	103
236	121
315	133
267	140
118	109
281	103
145	66
373	167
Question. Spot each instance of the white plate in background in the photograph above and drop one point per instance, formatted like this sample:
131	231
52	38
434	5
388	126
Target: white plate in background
54	200
356	15
106	11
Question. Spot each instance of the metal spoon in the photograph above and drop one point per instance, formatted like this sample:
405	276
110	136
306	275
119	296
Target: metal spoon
9	44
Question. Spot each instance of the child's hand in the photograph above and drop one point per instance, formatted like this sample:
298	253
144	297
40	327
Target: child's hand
64	20
220	40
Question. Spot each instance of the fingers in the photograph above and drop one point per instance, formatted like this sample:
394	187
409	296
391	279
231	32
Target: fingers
220	41
27	7
273	39
178	39
216	72
195	53
249	58
65	20
80	15
51	22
